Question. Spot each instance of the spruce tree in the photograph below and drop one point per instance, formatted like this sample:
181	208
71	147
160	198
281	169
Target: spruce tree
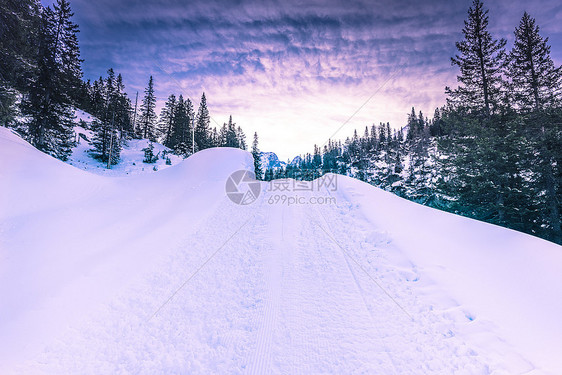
481	61
480	154
257	157
544	161
222	136
19	28
412	125
123	110
202	122
535	79
148	114
106	141
536	85
49	101
97	99
481	168
181	137
166	121
190	131
241	138
214	140
149	156
110	96
67	50
20	22
231	137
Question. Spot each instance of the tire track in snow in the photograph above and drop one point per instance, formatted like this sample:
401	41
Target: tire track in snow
361	291
421	345
261	359
324	332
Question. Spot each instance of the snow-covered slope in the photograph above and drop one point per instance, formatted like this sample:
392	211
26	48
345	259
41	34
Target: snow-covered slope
70	241
131	158
504	286
161	273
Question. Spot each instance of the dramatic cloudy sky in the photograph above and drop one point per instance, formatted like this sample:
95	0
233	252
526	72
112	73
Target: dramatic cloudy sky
294	71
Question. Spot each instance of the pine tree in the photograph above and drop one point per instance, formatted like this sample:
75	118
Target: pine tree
412	125
106	141
481	62
231	138
222	136
257	157
149	156
148	114
8	108
202	122
535	83
123	109
190	132
167	121
214	139
481	168
269	175
181	134
544	135
19	25
110	95
436	127
67	50
49	101
374	139
97	100
241	138
20	21
535	80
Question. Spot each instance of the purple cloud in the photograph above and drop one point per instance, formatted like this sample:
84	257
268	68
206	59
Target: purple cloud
291	70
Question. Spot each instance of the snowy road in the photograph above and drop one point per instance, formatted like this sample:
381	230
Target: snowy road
163	274
270	288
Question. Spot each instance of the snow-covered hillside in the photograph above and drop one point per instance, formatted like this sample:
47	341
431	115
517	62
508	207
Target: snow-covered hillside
162	273
132	155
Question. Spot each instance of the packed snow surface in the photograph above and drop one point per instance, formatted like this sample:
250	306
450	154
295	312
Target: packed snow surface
161	273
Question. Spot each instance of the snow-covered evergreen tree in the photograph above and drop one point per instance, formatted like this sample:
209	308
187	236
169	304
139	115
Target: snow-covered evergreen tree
241	138
202	125
535	79
166	121
106	142
148	114
257	157
481	61
54	81
149	156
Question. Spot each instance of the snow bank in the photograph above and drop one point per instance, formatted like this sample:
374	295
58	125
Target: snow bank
71	240
502	280
284	296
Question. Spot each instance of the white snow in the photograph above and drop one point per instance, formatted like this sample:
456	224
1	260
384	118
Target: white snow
80	115
131	161
160	273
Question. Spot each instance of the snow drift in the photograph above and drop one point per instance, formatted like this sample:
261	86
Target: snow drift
101	275
508	280
70	240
